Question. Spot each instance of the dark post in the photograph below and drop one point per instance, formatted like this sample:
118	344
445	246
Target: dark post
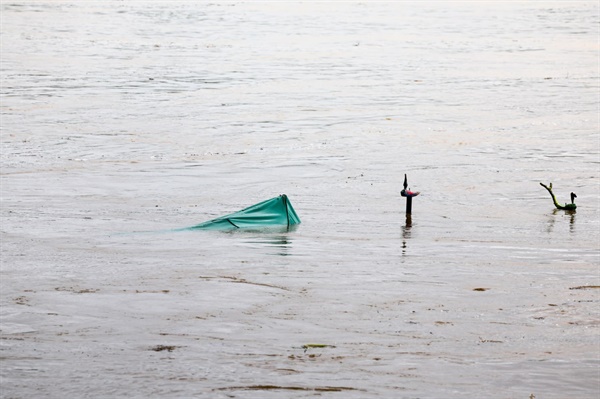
409	195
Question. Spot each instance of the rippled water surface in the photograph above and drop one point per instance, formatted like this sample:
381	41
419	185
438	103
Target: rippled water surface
123	120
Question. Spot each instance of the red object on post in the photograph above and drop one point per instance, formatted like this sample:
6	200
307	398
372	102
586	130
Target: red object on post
409	195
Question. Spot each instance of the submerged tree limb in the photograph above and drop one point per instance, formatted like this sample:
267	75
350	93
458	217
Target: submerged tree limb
570	206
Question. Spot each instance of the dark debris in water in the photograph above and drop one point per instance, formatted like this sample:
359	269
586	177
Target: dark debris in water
152	291
490	341
160	348
309	346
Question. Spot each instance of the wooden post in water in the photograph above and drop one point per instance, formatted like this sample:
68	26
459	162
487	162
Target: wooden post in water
409	196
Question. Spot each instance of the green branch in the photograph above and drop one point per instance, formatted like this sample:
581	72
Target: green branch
567	207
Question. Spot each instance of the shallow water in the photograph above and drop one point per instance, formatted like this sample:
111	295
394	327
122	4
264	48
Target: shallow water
122	120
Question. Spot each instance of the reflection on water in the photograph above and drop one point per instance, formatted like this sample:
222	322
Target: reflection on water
278	241
569	213
406	232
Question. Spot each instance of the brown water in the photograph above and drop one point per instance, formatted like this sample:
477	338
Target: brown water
122	120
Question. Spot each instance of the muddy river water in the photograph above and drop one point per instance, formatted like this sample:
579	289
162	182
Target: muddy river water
123	120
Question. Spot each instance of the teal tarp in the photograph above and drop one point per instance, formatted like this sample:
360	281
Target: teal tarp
277	211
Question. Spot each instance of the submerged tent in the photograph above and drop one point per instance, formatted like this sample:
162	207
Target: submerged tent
277	211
